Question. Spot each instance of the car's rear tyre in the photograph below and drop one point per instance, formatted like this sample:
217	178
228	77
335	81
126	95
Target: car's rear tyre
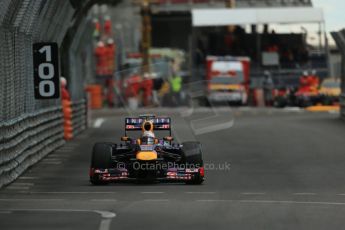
192	155
101	159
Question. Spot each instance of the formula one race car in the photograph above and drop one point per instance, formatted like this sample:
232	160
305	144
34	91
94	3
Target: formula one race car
147	158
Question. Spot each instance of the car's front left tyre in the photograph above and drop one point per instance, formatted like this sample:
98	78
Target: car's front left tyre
192	156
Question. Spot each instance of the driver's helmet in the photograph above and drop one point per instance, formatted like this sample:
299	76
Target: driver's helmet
148	138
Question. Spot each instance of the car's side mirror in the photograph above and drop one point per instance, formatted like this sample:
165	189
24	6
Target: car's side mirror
169	138
125	138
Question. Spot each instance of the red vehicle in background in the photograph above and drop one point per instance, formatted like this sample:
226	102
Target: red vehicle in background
306	94
308	85
308	91
228	79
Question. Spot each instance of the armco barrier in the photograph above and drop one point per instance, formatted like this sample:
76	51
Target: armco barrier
79	116
26	140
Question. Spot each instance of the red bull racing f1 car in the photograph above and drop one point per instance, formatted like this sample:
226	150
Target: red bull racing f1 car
147	157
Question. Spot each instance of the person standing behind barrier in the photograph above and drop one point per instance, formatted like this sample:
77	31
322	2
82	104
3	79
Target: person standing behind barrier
109	73
97	31
176	86
110	54
268	86
107	26
64	92
101	59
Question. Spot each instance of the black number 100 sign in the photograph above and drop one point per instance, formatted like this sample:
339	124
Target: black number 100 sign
46	70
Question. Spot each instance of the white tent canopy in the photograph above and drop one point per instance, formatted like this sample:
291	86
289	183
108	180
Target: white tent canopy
287	15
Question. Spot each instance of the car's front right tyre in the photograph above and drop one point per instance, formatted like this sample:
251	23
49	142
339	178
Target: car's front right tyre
100	159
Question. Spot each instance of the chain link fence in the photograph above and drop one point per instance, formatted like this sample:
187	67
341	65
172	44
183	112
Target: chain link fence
81	59
80	71
29	128
339	38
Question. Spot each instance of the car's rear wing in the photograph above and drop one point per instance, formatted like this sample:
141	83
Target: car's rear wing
159	123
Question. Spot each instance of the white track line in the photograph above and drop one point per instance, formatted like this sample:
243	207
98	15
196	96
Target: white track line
104	224
151	192
106	219
200	192
304	194
98	122
253	193
30	200
103	200
277	202
156	200
73	192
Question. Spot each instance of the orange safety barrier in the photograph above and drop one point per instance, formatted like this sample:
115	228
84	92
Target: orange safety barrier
67	114
324	108
95	96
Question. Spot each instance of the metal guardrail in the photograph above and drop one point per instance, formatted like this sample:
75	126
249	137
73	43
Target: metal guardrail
79	116
27	140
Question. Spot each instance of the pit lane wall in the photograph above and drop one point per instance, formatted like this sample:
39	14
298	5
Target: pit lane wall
339	38
30	129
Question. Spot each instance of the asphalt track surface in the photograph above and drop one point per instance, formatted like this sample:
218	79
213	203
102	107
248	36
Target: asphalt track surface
287	171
